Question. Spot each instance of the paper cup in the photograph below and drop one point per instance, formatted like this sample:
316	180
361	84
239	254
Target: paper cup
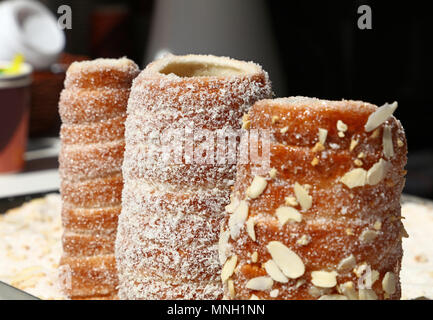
14	116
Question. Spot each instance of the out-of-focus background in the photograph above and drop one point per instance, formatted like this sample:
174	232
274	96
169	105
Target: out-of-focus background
311	48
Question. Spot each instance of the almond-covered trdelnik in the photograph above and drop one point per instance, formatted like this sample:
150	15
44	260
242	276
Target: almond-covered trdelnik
167	242
93	111
325	221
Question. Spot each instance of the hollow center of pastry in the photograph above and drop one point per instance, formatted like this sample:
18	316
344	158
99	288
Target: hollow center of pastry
201	69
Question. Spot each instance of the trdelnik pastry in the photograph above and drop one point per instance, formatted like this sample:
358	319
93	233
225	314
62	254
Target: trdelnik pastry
166	246
93	111
325	222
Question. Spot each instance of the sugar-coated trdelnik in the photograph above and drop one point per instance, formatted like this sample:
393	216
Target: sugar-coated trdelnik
93	110
166	246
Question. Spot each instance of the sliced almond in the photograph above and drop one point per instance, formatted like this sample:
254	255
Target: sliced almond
222	246
361	269
231	288
361	155
377	172
274	272
275	119
237	219
349	231
374	276
299	283
254	297
324	279
323	133
260	283
375	134
368	235
318	147
230	208
380	116
273	173
229	268
285	214
257	187
303	240
291	201
333	297
377	225
288	261
250	228
367	294
341	126
254	257
400	143
353	144
354	178
304	199
348	289
315	162
341	134
284	130
274	293
246	122
347	263
389	282
358	162
388	147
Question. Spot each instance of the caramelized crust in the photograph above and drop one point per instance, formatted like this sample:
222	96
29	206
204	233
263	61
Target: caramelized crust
363	221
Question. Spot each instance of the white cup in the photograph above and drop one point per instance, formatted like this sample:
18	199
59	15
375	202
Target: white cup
29	28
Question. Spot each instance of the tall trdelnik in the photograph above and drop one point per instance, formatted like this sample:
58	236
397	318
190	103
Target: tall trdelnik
175	182
93	110
325	221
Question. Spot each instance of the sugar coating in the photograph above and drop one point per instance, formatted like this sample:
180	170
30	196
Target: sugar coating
92	107
101	73
338	215
166	247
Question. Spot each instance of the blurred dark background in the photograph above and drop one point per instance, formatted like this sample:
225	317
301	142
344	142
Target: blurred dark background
311	48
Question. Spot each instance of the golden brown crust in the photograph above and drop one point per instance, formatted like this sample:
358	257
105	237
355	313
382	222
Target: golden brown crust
93	110
335	225
78	106
94	132
79	162
101	73
103	220
93	193
86	244
88	276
